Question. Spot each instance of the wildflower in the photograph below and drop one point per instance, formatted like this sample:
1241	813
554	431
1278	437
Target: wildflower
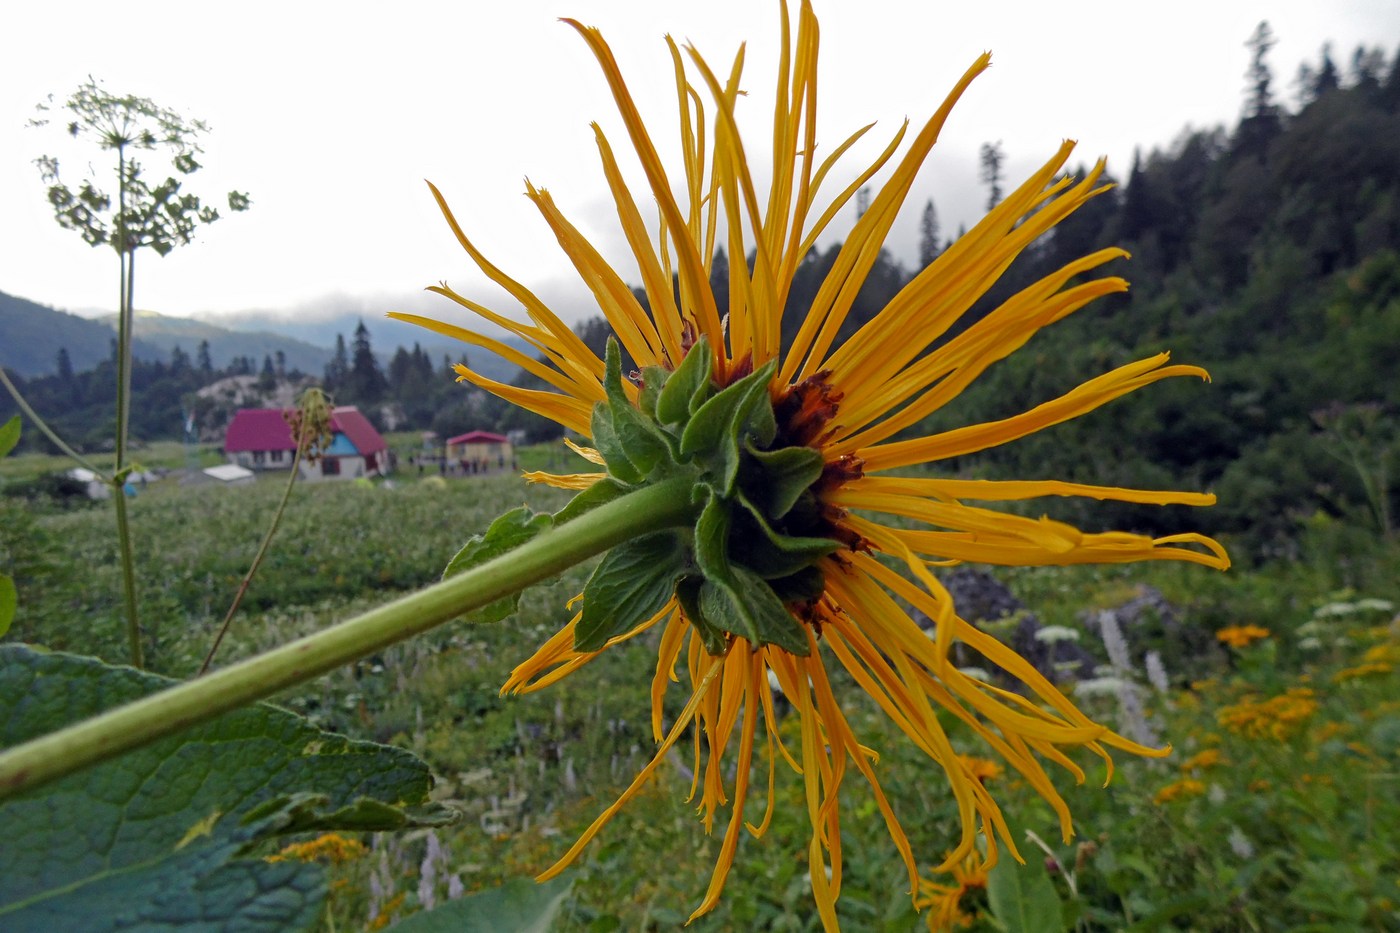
1382	654
1240	844
785	435
980	769
1239	636
1051	634
1156	672
1277	718
332	848
1186	787
944	901
1202	760
1369	669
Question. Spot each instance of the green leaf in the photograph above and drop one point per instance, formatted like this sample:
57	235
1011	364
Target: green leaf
607	443
1022	898
9	602
745	604
782	476
519	905
506	533
600	493
629	586
9	435
769	552
162	837
685	391
688	594
725	412
807	583
653	379
640	439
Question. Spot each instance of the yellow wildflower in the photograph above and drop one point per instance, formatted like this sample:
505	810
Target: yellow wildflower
851	403
1328	730
1202	760
1278	717
1382	654
1238	636
330	847
980	769
944	901
1186	787
1369	669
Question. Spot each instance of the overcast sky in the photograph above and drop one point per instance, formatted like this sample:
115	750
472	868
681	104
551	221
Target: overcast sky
332	114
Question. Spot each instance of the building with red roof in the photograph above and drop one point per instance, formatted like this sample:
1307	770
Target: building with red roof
481	451
261	439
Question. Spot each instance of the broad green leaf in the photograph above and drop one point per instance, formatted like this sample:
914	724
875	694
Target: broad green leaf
685	391
161	837
607	443
9	602
1022	898
520	906
600	493
506	533
781	476
630	585
9	435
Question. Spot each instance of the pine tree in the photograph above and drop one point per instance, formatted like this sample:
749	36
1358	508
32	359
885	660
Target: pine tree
1261	121
367	382
203	360
65	365
993	158
338	369
928	235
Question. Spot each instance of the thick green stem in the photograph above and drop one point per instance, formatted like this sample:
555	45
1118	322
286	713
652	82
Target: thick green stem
650	509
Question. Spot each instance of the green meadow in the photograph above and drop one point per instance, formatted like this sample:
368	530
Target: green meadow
1278	807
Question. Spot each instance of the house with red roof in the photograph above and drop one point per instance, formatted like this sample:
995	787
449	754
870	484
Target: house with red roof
481	451
261	439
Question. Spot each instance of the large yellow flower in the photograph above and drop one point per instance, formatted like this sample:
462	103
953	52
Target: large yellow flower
852	405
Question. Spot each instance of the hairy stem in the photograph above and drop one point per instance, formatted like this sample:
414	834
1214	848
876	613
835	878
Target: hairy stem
47	431
650	509
262	551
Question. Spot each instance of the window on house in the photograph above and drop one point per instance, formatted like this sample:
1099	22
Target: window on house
259	457
277	456
330	466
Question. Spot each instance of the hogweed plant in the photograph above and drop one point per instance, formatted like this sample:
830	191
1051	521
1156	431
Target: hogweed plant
748	495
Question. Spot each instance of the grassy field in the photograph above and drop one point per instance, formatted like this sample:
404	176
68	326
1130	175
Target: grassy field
1279	807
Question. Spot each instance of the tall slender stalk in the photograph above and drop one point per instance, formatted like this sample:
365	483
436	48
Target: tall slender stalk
262	550
125	319
663	505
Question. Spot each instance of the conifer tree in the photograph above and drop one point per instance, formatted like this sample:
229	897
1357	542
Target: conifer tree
928	235
993	158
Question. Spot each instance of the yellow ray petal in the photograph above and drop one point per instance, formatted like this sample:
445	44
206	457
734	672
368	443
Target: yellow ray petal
1085	398
682	721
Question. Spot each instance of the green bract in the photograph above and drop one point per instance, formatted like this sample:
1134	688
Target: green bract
757	533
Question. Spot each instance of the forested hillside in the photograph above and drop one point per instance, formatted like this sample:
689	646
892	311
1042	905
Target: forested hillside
1268	253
